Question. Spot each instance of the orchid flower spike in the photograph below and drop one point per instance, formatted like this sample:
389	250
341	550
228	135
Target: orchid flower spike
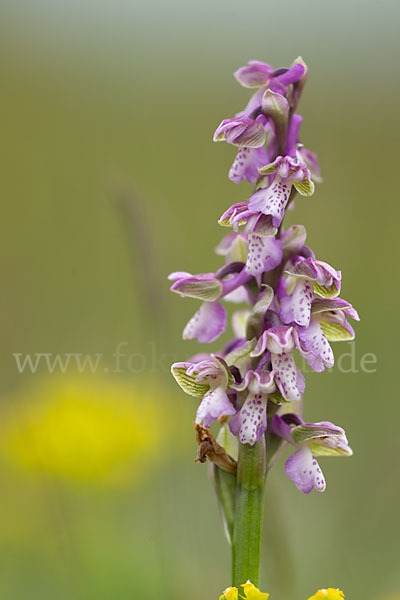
289	305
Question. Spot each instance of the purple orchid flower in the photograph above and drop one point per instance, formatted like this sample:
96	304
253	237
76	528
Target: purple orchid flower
262	76
296	291
273	199
250	422
280	342
250	135
328	322
311	440
264	250
209	322
208	379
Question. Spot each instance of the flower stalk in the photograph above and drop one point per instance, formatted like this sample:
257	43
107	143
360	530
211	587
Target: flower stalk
246	546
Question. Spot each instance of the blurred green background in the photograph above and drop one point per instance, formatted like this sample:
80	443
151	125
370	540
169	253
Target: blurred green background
110	181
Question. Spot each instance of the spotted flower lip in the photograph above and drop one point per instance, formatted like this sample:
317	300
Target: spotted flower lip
273	198
250	422
242	132
279	341
311	440
247	163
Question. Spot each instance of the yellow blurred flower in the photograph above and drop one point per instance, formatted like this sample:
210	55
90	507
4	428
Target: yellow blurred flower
86	428
250	591
328	594
253	593
231	593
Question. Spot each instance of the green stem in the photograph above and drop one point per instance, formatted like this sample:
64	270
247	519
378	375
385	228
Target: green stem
246	545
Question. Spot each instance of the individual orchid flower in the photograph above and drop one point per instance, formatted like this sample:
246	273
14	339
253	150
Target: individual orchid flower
296	290
280	342
328	322
273	198
311	440
264	249
208	379
250	422
209	322
261	76
250	136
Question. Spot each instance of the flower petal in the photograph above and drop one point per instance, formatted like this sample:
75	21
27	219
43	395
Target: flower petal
328	594
272	200
241	131
247	163
304	471
296	307
188	382
253	593
336	332
215	404
231	593
288	377
265	253
250	422
315	347
207	324
255	74
202	287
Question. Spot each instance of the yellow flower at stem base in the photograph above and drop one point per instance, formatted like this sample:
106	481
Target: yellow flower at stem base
231	593
328	594
250	591
253	593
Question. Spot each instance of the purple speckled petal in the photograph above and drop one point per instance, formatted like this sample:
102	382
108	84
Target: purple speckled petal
247	163
272	200
265	253
315	347
296	307
288	377
304	471
207	324
215	404
250	422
